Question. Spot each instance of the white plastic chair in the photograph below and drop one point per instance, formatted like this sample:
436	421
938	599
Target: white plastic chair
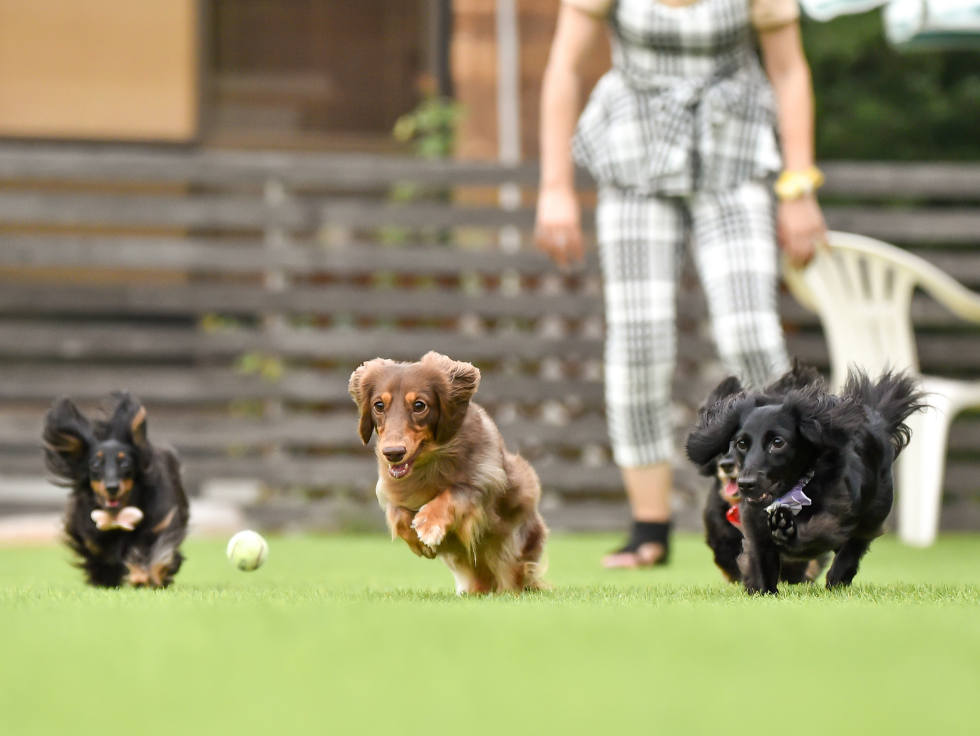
862	290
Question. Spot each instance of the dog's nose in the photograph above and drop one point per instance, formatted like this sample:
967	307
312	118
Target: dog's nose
747	484
112	489
727	466
394	454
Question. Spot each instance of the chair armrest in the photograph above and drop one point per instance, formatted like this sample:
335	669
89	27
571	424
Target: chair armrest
942	287
798	287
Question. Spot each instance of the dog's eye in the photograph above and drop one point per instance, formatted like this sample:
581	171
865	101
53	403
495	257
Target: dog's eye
778	443
741	445
419	406
379	406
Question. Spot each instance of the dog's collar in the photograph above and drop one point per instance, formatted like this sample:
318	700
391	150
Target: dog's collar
796	499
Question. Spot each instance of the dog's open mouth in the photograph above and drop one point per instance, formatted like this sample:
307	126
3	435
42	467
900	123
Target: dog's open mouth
762	500
112	503
400	470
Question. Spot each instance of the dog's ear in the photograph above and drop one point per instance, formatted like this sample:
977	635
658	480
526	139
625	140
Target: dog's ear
68	439
128	419
361	385
713	432
128	424
727	388
460	381
824	420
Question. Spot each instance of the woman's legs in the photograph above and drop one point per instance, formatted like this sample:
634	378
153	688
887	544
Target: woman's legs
734	245
639	239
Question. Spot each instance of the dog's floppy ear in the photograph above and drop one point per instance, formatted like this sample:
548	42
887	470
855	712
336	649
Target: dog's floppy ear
68	438
728	387
713	431
824	420
460	381
361	385
128	419
128	424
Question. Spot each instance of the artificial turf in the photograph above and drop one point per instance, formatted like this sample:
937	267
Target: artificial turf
351	635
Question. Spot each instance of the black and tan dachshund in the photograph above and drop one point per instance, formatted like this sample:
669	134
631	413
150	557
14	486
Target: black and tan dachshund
127	511
815	470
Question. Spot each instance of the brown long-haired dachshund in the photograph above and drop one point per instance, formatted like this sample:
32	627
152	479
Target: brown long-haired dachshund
448	486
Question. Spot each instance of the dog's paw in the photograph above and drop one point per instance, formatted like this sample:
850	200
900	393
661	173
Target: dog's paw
782	526
138	576
421	550
431	533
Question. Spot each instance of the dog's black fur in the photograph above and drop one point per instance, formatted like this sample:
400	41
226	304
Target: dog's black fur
111	465
849	442
724	538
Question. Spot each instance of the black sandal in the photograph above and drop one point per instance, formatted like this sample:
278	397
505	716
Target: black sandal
642	533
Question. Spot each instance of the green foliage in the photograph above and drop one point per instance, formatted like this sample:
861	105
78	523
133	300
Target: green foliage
431	126
877	103
257	363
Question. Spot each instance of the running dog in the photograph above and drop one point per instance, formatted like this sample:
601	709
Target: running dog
448	486
814	471
722	520
127	511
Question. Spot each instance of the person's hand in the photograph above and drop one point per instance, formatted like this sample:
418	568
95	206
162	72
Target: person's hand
558	230
801	229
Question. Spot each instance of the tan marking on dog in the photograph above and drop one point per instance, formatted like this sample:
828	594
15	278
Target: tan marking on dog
166	521
138	419
138	576
813	570
68	444
125	487
158	574
433	520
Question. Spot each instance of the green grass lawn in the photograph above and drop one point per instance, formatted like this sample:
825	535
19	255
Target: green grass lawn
349	635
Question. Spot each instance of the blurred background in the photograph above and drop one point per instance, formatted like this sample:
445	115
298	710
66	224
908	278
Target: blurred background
225	206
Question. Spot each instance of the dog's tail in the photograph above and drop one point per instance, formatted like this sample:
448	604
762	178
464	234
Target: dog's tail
894	396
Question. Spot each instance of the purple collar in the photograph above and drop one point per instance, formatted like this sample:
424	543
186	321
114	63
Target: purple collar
796	499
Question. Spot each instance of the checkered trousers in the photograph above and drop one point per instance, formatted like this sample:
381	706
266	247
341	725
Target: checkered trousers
733	244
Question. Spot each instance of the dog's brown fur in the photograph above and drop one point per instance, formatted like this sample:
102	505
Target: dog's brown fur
464	498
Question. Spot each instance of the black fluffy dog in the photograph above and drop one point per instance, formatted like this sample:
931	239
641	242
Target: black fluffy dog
815	471
722	523
127	511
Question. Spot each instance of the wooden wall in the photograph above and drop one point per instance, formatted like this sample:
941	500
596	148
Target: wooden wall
474	65
99	69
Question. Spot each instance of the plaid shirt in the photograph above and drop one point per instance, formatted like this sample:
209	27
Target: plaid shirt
686	106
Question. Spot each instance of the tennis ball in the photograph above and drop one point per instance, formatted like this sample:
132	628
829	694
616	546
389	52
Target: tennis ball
247	550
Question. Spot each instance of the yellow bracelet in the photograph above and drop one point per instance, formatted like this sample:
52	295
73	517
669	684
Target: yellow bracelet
795	184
